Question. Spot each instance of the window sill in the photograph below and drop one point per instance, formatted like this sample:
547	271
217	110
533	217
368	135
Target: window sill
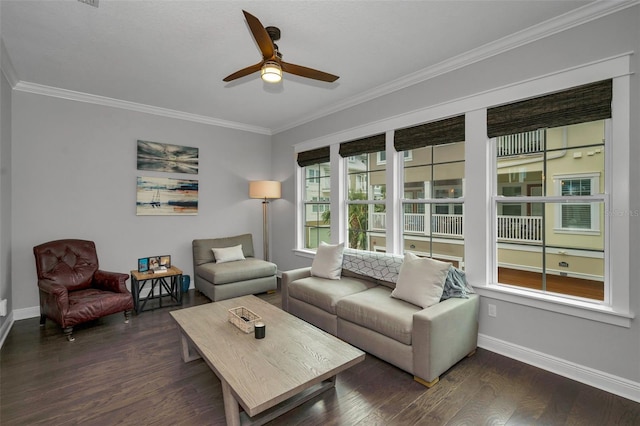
576	231
308	253
576	308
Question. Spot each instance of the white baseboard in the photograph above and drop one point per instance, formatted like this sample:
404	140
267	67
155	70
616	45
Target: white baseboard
589	376
26	313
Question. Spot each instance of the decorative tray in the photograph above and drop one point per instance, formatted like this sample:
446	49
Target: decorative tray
243	318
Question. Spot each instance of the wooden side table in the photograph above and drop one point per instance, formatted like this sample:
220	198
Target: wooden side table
162	285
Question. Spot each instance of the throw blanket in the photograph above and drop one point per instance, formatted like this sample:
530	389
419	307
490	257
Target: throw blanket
380	266
386	267
456	285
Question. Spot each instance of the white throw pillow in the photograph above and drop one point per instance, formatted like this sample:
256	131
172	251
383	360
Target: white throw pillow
228	254
327	262
421	280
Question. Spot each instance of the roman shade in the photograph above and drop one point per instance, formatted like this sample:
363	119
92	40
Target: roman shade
438	132
363	146
580	104
314	156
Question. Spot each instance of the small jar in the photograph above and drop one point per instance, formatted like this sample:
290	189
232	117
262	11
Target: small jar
259	330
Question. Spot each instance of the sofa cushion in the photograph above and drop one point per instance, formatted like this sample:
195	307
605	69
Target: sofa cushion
374	309
228	254
327	263
230	272
421	280
202	252
323	293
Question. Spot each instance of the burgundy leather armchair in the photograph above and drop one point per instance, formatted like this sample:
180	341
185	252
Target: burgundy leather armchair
73	289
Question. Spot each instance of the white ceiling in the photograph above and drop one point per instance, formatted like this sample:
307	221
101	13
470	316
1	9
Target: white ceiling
170	57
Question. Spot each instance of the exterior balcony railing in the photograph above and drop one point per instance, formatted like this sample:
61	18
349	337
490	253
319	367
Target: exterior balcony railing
521	143
526	229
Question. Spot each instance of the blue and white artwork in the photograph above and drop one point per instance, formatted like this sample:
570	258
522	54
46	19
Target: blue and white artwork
161	157
158	196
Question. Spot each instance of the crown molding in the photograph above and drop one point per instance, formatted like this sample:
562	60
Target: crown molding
55	92
7	66
582	15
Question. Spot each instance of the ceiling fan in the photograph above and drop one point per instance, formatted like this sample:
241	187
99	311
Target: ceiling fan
272	65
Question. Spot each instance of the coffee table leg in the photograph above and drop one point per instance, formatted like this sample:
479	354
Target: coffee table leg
231	406
188	352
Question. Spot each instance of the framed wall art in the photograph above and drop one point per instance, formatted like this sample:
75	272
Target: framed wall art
162	157
166	196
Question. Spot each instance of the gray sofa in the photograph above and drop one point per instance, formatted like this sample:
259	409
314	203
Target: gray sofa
358	309
219	281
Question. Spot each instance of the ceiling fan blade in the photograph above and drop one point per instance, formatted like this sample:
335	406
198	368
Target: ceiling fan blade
260	35
245	71
308	72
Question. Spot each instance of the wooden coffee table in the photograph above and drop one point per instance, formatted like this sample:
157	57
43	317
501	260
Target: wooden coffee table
267	377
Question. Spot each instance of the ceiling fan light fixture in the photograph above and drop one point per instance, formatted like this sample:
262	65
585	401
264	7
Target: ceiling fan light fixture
271	72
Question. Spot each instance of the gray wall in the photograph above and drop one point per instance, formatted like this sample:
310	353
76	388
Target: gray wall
74	176
5	197
572	341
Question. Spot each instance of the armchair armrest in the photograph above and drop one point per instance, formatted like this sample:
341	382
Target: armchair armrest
54	299
110	281
287	278
443	334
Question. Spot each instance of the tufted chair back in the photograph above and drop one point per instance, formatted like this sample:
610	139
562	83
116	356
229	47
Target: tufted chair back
71	263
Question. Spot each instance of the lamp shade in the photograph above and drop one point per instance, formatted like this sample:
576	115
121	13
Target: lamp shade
271	72
265	189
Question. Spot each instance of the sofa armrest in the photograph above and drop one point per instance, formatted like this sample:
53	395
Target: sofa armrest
443	334
54	299
289	277
110	281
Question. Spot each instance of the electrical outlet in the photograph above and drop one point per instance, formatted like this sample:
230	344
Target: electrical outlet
3	308
493	312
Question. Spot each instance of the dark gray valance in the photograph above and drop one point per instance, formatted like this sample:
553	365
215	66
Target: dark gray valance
315	156
578	105
363	146
438	132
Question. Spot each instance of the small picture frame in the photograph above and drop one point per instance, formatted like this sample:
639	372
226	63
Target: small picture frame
165	261
154	262
143	264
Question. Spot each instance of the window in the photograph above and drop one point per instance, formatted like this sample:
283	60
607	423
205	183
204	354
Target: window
366	193
537	232
577	217
549	234
313	175
382	156
433	189
316	172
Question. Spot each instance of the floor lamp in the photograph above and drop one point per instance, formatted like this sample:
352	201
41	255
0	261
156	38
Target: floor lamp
265	190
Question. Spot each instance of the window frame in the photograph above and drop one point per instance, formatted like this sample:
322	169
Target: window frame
615	310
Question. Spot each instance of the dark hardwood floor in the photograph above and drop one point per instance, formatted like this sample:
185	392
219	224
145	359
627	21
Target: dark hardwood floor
132	374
